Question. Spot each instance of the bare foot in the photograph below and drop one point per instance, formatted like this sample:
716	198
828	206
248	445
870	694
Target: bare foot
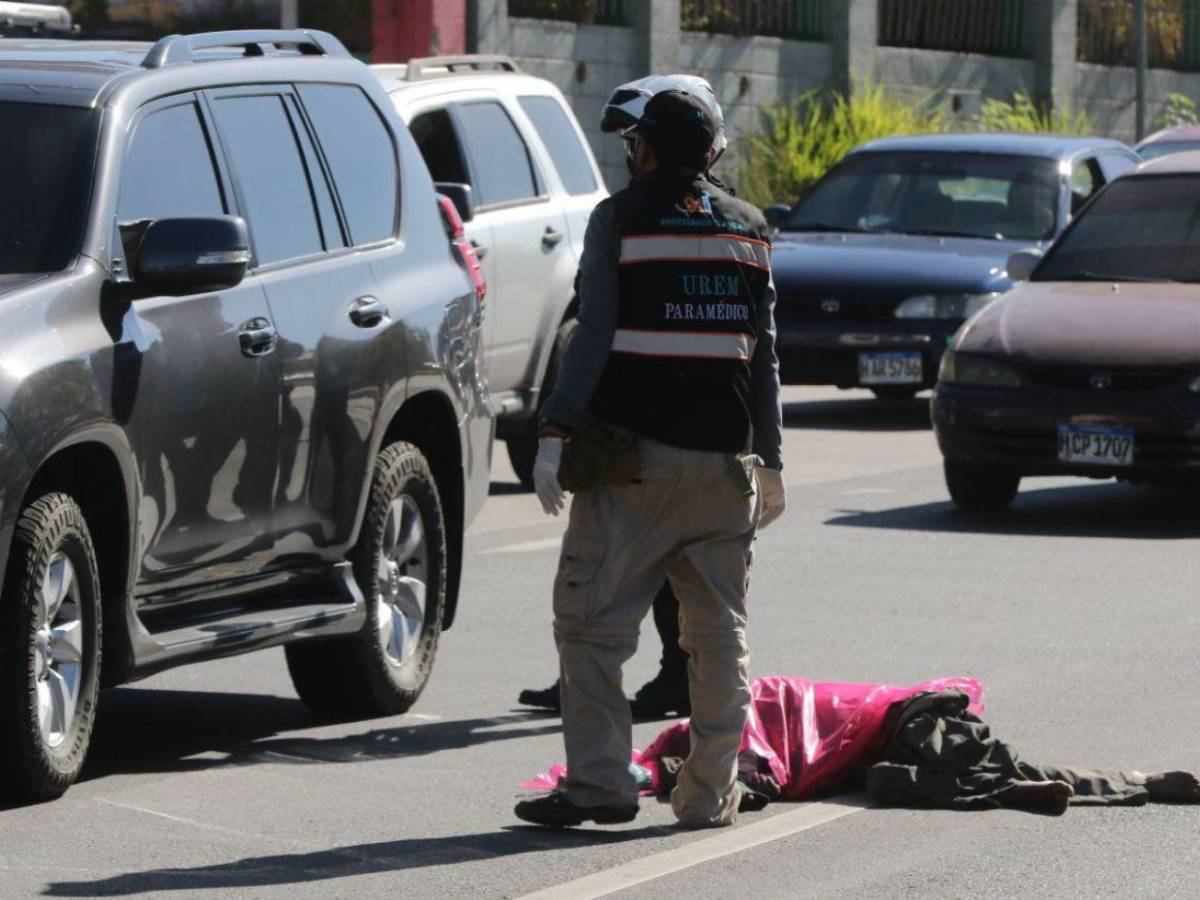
1173	787
1051	797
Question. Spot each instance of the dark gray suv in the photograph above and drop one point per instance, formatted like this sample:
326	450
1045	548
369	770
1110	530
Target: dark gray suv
240	380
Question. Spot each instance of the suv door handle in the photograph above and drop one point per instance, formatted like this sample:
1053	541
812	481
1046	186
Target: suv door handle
550	237
257	337
480	250
367	312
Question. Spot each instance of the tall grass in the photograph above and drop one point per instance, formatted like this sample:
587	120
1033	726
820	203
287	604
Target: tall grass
1021	114
799	139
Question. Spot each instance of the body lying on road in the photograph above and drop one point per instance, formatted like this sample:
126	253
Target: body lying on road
923	746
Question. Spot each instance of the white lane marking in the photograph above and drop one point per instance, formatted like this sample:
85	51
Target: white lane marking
180	819
526	547
735	840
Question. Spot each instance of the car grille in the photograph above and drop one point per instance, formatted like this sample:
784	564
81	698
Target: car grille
849	308
1115	379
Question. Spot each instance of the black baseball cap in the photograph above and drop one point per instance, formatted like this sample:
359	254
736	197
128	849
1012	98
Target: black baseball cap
679	127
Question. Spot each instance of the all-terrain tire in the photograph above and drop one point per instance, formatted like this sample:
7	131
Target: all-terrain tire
355	676
522	448
34	767
977	489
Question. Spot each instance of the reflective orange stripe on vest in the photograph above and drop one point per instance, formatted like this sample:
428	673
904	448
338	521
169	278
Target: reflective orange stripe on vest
642	248
693	344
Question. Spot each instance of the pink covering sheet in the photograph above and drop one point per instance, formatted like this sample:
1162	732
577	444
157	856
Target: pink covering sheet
812	734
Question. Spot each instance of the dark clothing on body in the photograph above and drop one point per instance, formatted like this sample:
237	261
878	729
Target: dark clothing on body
943	756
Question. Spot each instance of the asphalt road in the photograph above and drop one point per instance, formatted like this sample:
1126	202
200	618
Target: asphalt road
1078	612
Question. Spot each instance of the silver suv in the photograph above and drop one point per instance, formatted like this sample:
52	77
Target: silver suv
507	147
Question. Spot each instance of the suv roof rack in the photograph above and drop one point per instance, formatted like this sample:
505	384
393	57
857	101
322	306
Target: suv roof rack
426	67
179	48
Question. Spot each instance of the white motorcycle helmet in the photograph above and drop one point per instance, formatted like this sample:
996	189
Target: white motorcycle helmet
628	101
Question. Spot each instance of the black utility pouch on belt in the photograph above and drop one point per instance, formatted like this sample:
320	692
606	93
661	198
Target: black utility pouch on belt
599	454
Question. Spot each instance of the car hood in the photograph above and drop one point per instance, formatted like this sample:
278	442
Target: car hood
895	263
1091	323
12	282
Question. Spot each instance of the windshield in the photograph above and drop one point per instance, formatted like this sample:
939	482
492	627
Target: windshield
1162	148
1139	229
978	195
47	155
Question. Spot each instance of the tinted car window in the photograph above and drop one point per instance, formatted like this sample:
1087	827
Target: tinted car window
499	158
563	143
360	154
47	155
168	171
1140	228
1162	148
981	195
272	177
436	139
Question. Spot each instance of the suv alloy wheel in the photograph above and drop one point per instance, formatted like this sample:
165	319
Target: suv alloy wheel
49	651
400	564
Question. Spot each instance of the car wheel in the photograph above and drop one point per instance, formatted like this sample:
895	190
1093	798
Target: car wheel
980	490
400	565
894	393
522	448
49	651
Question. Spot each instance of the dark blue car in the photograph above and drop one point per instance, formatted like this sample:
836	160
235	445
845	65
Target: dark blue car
883	259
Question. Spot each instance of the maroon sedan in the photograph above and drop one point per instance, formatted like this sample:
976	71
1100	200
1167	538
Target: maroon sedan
1092	367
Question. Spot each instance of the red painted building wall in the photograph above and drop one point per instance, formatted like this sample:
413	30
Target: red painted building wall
403	29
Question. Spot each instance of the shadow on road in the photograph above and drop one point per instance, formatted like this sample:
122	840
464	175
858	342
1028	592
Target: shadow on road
341	862
148	730
859	414
1105	510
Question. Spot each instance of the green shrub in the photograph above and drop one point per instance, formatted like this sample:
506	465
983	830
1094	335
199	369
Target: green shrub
1178	110
799	139
1022	114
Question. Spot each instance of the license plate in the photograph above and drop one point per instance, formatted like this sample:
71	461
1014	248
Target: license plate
890	368
1095	445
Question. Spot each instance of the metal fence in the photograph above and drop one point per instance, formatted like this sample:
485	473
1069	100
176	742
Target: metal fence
993	27
797	19
585	12
1106	33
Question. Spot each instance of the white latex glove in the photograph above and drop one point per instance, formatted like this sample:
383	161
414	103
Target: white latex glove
774	496
545	475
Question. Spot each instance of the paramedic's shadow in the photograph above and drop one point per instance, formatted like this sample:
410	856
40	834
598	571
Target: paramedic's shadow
1086	509
142	730
357	859
859	413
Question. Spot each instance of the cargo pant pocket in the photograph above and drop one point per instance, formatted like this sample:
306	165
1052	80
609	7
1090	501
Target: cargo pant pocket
576	585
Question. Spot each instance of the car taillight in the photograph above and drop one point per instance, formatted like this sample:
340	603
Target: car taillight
458	240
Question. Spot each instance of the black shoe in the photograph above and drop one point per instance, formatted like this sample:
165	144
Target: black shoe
662	696
547	698
556	811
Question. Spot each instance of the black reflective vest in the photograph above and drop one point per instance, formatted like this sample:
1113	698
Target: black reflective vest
695	263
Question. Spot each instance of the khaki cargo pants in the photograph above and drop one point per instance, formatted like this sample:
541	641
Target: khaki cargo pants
691	520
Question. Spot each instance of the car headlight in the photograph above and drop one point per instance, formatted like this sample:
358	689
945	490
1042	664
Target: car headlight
944	306
976	370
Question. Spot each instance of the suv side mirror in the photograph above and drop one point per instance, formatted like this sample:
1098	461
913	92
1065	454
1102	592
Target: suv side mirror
1022	263
191	256
460	195
777	214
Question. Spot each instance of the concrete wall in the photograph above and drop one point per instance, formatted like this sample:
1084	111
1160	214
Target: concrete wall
748	73
959	82
1107	93
585	62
